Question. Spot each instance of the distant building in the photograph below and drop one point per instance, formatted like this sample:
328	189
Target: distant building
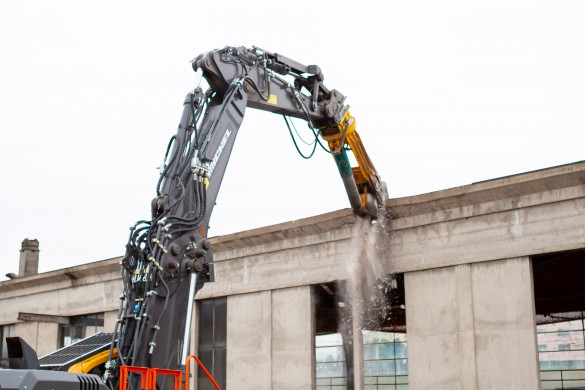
487	292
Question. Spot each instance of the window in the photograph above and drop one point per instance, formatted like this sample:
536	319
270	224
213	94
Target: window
385	361
559	296
331	364
5	331
562	350
80	327
212	342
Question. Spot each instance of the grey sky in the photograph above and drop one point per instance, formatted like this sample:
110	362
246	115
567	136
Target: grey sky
445	93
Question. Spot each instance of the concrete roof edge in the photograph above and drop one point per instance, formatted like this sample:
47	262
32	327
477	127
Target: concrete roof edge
297	228
475	193
561	176
64	274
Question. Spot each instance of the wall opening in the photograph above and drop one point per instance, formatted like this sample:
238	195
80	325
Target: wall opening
382	362
559	296
80	327
212	342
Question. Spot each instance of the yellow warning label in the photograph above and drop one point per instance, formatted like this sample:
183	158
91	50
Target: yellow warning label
272	99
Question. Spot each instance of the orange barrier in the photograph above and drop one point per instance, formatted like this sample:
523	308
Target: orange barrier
153	372
148	378
187	377
144	380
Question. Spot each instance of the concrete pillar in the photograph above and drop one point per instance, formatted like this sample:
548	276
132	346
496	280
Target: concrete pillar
293	339
110	318
472	327
505	325
249	341
432	315
29	258
270	340
47	338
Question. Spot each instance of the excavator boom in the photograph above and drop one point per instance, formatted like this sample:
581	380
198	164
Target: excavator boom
169	258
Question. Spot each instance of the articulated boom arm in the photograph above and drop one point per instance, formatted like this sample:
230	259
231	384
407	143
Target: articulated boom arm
168	259
257	76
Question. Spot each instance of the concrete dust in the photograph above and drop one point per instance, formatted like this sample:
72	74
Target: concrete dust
367	285
364	302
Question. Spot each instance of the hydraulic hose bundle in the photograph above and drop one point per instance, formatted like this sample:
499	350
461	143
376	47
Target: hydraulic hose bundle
163	252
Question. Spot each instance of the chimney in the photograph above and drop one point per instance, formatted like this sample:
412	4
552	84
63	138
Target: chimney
29	258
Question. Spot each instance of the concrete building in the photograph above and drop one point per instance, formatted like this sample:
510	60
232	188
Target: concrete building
488	293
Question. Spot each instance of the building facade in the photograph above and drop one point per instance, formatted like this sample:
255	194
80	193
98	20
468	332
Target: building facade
475	287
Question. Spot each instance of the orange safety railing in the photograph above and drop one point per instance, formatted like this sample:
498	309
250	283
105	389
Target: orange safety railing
187	377
153	372
148	375
144	380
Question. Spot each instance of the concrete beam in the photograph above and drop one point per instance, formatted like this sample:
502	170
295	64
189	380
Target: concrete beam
35	317
97	272
83	299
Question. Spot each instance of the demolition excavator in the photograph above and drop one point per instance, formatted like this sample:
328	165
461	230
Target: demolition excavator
168	258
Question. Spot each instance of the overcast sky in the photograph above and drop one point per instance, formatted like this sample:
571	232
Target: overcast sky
445	93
